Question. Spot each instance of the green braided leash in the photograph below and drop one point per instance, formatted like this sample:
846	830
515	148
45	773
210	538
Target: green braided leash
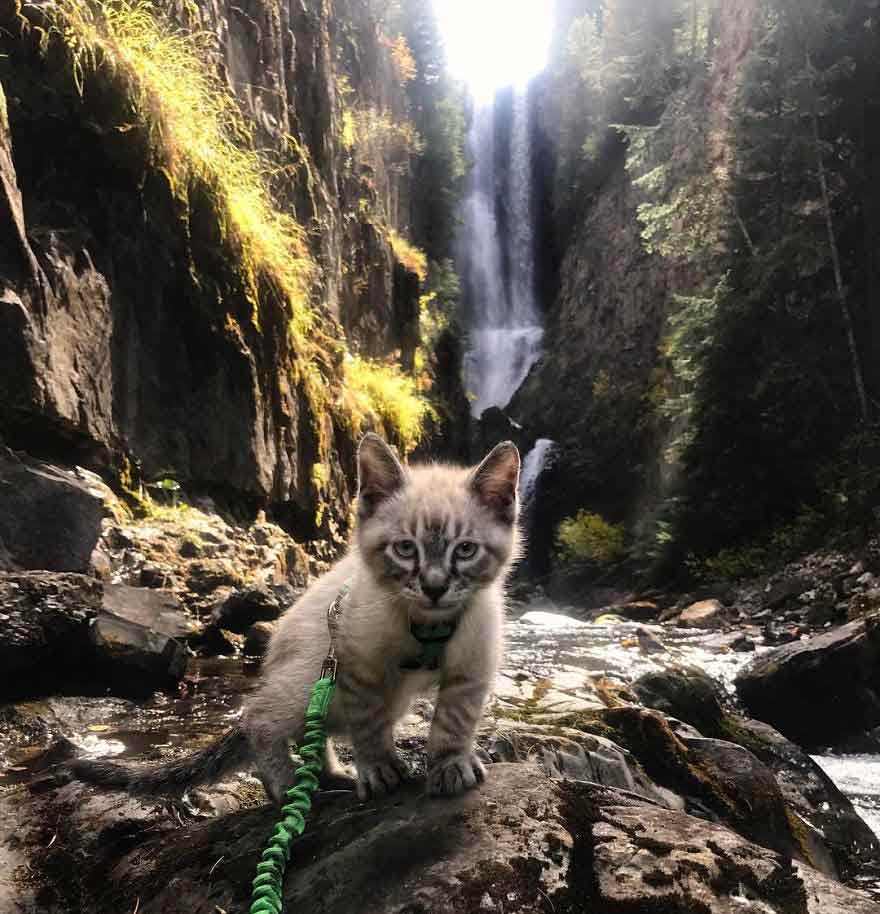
269	884
268	887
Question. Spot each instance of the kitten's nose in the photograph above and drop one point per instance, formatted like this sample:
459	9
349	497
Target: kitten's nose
435	592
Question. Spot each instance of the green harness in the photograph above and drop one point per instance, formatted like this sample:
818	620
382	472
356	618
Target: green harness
268	887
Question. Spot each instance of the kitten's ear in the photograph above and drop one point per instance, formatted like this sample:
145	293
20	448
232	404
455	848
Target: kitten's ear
380	474
495	480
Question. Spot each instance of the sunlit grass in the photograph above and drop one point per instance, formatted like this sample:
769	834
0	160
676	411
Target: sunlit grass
196	125
380	393
407	253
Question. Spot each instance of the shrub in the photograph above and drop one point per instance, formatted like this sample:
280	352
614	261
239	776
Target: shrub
589	538
379	393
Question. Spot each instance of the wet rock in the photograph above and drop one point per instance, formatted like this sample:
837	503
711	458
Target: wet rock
705	614
640	611
685	693
154	575
151	608
784	591
240	610
44	630
207	576
658	862
133	659
822	691
648	643
257	639
522	843
49	517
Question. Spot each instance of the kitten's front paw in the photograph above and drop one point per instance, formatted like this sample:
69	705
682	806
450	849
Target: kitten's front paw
379	778
455	774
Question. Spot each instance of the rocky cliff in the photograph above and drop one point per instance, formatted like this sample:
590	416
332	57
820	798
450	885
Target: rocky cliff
135	336
604	345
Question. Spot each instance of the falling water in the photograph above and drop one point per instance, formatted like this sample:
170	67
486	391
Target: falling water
505	330
534	464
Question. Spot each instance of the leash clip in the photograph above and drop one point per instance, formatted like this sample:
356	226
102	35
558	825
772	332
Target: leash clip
329	667
334	611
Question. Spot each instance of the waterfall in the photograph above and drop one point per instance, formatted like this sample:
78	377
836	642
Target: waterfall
534	464
505	329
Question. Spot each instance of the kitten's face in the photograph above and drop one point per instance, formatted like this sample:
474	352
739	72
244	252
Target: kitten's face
436	534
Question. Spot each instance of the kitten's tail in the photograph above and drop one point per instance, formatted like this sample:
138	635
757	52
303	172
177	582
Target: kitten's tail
171	777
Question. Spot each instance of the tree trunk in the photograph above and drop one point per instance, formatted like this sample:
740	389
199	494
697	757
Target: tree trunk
838	275
712	29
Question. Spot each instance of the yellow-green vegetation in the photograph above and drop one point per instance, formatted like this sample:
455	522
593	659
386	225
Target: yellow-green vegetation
379	393
590	538
406	253
198	132
402	59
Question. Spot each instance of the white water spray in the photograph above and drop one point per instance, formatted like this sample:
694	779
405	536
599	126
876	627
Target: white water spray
505	329
535	463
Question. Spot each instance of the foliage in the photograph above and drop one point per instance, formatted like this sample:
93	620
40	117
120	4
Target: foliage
197	128
437	106
380	394
402	59
406	253
439	304
589	538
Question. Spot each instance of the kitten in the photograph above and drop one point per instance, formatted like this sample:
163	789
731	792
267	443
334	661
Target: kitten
433	544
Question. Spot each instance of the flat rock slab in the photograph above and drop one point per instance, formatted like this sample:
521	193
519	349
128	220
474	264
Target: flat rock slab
150	607
521	843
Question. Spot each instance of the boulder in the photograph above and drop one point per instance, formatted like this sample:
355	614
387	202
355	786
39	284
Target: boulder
133	659
638	611
685	693
50	518
521	843
847	844
821	692
208	575
56	635
705	614
241	609
784	591
257	639
44	620
150	607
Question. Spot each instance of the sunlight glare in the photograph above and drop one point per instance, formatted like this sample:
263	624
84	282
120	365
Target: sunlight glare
491	44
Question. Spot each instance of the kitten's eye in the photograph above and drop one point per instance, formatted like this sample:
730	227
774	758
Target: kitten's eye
405	549
466	550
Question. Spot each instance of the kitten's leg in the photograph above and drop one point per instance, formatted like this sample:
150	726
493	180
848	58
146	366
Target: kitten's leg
368	721
452	764
274	764
335	775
